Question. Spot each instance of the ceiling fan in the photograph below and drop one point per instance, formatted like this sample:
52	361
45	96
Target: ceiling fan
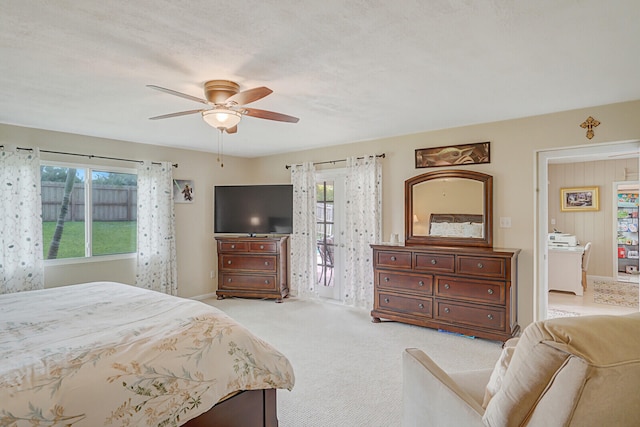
226	105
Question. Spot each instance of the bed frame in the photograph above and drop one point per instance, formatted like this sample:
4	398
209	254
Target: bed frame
251	408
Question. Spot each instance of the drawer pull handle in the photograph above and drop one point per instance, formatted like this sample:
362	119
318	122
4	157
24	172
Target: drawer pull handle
233	246
393	258
266	263
386	279
229	262
266	282
420	283
490	291
261	246
480	265
434	262
446	286
421	305
228	280
447	310
490	316
386	300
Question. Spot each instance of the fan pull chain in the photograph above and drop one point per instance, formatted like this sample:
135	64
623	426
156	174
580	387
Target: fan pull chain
220	154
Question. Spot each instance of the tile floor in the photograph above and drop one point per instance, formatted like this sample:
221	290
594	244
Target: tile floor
584	305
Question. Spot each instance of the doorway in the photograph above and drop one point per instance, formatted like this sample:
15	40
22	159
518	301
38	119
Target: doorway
625	246
330	219
543	226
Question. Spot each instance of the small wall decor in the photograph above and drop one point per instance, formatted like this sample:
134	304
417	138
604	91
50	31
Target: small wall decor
183	191
453	155
589	124
579	199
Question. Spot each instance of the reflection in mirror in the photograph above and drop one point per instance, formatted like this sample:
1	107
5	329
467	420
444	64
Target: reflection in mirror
450	207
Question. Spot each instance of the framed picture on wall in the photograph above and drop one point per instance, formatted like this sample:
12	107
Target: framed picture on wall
453	155
183	191
579	199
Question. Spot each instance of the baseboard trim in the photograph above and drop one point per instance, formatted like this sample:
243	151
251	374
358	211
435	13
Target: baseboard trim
205	296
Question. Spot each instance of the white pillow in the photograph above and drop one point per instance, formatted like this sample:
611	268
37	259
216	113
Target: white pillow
457	229
472	229
499	371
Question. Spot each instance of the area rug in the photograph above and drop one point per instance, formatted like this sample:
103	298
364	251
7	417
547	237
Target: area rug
553	313
624	294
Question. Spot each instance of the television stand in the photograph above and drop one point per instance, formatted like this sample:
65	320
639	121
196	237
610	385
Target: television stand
253	267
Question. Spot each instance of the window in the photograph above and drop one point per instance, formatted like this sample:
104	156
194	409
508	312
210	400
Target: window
73	193
324	232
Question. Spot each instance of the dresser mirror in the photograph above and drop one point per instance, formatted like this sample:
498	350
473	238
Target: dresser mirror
449	208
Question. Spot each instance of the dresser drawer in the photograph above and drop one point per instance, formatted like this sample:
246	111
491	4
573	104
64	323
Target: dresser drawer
392	259
404	304
435	262
469	314
233	281
482	267
263	247
473	290
405	282
266	263
232	246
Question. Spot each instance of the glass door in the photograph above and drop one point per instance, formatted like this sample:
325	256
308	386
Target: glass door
329	221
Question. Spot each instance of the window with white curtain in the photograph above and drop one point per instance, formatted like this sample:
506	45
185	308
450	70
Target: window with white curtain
87	211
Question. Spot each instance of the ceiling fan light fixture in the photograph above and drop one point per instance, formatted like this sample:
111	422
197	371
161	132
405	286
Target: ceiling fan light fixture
221	118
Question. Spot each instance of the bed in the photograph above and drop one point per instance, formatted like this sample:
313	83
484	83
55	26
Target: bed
456	225
106	353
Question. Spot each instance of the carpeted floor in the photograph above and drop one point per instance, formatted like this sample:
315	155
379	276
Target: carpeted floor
623	294
348	370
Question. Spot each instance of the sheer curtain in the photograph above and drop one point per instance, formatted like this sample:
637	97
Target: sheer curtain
363	227
303	240
21	260
156	266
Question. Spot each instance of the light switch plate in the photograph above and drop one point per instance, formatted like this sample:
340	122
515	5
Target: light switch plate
505	222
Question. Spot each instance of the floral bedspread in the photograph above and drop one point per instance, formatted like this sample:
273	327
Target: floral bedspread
109	354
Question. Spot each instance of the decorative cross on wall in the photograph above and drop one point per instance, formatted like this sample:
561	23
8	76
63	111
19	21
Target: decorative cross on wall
589	124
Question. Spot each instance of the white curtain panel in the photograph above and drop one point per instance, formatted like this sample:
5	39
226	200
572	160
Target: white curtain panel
363	228
21	261
156	266
303	240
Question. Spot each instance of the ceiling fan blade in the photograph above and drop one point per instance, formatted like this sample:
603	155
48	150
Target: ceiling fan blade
180	94
269	115
181	113
249	95
232	130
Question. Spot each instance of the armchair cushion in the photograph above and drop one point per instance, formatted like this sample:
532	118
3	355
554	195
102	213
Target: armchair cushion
579	371
499	371
572	371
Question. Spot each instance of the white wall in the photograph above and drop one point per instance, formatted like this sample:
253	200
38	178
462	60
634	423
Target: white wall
595	227
194	222
513	161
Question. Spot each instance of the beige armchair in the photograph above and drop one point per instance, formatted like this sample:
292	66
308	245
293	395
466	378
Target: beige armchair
574	371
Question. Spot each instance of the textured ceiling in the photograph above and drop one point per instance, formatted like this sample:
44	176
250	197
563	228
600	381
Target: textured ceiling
350	70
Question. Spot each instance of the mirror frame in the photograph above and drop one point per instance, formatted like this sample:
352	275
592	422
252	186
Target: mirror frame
487	211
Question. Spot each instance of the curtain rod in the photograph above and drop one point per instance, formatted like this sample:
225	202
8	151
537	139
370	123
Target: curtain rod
383	155
91	156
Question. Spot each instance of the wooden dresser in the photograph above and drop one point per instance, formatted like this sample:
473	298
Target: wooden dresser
472	291
253	267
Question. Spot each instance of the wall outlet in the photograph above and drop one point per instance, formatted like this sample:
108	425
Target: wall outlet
212	274
505	222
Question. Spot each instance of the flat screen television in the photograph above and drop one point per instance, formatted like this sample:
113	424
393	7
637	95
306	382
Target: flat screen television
253	209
